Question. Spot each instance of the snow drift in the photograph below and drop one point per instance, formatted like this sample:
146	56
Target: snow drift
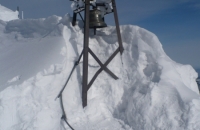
153	92
7	14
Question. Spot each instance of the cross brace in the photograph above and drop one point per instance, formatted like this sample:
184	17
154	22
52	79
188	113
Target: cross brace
103	67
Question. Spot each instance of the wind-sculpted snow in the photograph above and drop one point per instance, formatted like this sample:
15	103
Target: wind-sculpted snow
31	27
152	92
7	14
26	48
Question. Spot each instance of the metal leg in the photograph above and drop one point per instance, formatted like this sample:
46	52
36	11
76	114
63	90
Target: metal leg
95	30
75	64
74	19
85	54
117	26
64	117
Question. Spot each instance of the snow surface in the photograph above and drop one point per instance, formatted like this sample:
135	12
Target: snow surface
152	92
7	14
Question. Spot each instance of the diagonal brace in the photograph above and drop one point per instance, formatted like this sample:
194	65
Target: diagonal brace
75	64
103	66
101	69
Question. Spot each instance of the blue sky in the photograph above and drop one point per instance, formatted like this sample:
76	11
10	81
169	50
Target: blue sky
175	22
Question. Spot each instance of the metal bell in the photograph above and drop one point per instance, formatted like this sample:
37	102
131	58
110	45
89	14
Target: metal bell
96	20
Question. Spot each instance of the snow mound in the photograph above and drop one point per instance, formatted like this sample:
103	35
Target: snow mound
7	14
152	92
28	47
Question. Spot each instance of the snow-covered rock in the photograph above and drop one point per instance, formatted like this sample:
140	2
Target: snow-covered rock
7	14
152	92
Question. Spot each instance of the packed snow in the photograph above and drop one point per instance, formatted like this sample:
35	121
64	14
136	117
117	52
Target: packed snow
153	92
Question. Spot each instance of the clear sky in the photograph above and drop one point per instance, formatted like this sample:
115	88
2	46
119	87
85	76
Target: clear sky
175	22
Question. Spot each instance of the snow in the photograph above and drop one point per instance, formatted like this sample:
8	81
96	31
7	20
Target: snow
7	14
37	55
14	79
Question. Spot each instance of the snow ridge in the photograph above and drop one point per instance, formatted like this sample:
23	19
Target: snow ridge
7	14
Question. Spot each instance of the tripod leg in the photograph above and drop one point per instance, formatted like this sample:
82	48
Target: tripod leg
74	19
95	30
85	53
76	63
117	26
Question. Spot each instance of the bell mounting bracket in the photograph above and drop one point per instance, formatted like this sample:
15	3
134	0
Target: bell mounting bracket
78	10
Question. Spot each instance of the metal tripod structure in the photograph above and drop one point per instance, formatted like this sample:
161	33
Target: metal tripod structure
87	50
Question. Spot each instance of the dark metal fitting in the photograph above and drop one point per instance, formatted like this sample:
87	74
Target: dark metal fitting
63	117
76	63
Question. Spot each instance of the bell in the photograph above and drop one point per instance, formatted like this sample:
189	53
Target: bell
96	20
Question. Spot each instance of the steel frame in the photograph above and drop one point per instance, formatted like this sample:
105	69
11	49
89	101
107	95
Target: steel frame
86	50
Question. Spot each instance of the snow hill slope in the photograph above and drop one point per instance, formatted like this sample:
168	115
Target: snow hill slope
152	93
7	14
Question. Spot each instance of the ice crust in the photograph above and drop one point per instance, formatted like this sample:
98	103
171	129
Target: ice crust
152	92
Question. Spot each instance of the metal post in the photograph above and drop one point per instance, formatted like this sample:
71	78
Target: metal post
74	19
117	27
18	11
85	54
22	15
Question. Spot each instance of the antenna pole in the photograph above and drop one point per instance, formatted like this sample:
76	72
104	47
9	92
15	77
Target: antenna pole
18	11
22	15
